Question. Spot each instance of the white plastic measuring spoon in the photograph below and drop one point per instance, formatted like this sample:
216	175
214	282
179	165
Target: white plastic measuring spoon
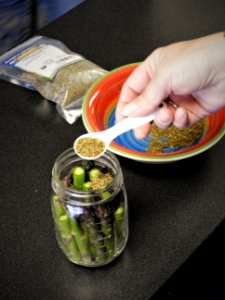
108	135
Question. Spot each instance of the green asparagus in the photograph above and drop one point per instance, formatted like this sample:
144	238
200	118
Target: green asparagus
78	177
64	226
94	173
58	208
118	223
86	186
81	239
94	235
118	214
106	225
73	249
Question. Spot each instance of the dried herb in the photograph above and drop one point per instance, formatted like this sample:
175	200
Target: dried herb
89	147
96	179
101	181
52	69
70	83
173	137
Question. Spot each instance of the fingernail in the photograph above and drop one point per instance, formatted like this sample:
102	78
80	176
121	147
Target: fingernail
164	118
180	113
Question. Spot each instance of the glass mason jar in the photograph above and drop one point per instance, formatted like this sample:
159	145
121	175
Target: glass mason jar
91	226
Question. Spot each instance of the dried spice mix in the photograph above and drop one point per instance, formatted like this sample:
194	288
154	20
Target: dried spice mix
172	137
89	147
49	67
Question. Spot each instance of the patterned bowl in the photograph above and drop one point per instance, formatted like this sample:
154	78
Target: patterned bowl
98	113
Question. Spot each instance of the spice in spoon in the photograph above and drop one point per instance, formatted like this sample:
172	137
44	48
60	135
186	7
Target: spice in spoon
89	147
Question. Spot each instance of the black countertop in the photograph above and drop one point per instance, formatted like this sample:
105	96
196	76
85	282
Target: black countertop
173	208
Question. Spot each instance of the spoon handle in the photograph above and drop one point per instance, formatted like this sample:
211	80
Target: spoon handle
129	123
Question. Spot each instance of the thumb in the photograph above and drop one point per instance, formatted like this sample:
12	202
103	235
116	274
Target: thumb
154	93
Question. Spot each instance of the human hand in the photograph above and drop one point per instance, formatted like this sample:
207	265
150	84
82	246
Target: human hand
190	73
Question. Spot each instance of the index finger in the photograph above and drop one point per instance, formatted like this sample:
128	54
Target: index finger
133	86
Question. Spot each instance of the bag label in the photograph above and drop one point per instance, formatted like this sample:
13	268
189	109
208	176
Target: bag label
44	60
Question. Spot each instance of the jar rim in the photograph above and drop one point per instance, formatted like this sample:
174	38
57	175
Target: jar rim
61	188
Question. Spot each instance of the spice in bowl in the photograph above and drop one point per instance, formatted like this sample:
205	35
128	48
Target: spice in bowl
173	137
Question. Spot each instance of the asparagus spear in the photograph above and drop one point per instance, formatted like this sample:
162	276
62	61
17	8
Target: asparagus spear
86	186
106	225
85	238
78	177
94	173
118	216
66	229
64	226
66	235
94	235
102	213
58	208
86	229
81	240
73	249
95	238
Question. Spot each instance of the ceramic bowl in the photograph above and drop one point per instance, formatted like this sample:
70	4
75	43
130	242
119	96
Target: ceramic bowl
98	113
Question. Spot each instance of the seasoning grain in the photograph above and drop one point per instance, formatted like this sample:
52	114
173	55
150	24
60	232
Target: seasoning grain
89	147
70	83
173	137
101	181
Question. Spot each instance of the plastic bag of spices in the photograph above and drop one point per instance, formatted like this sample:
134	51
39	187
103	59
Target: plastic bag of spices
49	67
